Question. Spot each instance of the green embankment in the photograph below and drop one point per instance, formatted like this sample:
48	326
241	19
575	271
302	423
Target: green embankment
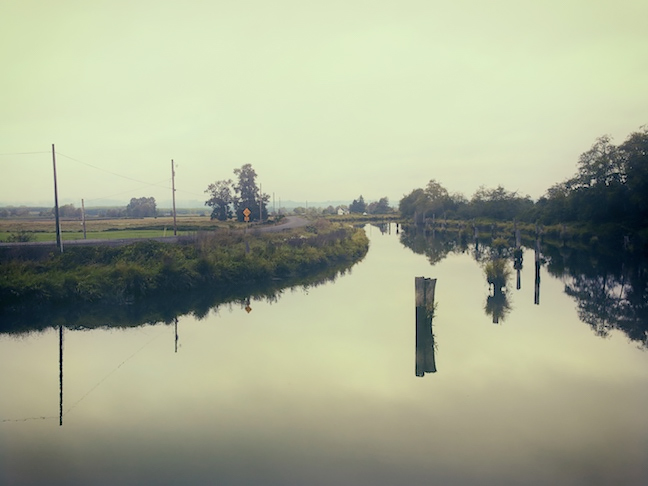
126	274
95	235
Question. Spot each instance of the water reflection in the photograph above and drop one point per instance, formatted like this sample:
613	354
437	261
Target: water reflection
60	375
610	288
425	346
161	310
175	319
497	275
608	284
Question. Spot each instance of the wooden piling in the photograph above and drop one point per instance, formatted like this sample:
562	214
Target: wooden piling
424	298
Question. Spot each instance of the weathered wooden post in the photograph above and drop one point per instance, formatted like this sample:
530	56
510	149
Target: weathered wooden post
517	262
424	297
536	293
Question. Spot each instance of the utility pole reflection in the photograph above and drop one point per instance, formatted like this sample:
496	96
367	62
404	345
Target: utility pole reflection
60	374
176	334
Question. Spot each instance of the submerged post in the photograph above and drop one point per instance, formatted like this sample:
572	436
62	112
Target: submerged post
536	291
424	293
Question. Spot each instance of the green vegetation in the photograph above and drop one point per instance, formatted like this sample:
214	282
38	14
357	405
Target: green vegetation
364	218
607	198
24	236
497	273
37	229
609	287
245	194
198	302
126	274
141	207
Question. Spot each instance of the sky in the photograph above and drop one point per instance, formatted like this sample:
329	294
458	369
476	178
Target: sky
328	100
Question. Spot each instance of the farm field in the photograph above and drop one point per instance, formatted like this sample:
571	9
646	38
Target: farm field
39	229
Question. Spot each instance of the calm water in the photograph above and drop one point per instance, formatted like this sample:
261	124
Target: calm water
319	387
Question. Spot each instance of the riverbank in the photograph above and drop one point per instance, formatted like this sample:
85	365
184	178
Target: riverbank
605	236
128	274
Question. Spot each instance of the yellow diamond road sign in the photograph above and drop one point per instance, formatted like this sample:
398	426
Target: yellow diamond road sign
246	213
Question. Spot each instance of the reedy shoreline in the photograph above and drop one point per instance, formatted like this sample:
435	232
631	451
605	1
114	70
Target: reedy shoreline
144	270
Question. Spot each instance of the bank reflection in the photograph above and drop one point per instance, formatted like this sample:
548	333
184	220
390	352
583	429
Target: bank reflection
165	310
159	312
425	346
607	280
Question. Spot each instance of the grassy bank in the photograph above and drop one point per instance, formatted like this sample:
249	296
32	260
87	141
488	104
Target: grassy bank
123	275
580	236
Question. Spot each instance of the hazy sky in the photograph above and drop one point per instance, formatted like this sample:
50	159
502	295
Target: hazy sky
326	99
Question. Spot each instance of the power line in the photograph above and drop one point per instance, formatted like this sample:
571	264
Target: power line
107	171
129	191
146	184
190	193
23	153
28	419
109	374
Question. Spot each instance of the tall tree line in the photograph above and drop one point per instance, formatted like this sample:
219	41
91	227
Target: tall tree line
228	199
610	187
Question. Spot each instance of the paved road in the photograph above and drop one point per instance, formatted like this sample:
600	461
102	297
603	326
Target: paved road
288	222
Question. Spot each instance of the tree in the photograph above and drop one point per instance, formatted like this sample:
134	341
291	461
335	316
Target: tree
141	207
68	211
380	207
634	154
358	205
408	204
247	195
599	166
437	198
434	199
221	199
499	203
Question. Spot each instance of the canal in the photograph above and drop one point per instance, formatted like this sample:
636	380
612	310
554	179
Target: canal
318	384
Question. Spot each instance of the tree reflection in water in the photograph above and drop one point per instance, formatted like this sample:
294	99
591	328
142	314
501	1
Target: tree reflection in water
610	289
497	275
609	285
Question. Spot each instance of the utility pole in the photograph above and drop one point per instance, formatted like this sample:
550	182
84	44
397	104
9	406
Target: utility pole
260	203
175	226
59	242
83	219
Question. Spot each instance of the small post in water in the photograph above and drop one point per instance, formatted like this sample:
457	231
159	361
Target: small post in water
424	292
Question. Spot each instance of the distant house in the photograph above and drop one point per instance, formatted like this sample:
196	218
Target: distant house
342	212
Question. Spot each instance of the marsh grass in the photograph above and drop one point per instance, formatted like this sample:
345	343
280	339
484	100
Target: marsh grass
126	274
497	273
